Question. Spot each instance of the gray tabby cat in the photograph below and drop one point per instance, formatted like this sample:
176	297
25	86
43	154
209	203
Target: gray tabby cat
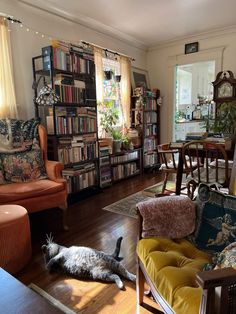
87	263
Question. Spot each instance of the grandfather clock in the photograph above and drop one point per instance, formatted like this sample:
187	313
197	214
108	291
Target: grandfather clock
224	87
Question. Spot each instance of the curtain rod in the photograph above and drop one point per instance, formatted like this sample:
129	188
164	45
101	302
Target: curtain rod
107	50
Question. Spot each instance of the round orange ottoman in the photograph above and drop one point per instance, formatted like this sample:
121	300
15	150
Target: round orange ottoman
15	242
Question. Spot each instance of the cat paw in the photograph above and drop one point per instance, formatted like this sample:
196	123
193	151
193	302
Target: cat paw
132	277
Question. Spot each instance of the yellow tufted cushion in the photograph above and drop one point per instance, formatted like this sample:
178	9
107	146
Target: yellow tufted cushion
172	266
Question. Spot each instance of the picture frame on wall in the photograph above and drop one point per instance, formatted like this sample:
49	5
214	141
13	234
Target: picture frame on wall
191	47
139	78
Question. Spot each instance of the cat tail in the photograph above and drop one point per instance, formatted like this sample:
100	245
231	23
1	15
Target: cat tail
116	253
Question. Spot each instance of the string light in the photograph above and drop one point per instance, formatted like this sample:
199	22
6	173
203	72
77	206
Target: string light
22	26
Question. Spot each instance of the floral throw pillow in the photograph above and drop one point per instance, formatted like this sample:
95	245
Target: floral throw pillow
23	166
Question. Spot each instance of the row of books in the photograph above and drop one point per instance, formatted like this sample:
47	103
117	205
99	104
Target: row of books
104	161
68	60
70	94
71	125
124	170
105	176
69	154
151	104
150	159
150	117
150	129
125	157
80	180
149	144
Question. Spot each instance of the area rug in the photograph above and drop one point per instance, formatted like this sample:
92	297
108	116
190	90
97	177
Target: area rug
157	189
127	206
51	299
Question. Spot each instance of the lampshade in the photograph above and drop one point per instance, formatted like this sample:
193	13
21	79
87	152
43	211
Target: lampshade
47	96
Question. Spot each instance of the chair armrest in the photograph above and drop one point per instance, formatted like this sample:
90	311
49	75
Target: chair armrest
168	151
215	278
170	216
53	170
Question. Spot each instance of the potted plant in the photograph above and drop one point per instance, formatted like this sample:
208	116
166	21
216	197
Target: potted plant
109	118
225	120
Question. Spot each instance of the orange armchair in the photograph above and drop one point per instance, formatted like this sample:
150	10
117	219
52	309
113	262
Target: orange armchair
40	194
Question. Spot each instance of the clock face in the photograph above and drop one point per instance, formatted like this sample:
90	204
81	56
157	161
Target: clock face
225	90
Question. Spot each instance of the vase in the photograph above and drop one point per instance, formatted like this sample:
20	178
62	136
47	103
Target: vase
117	146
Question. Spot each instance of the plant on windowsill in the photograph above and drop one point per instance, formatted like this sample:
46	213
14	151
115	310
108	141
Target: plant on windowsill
109	118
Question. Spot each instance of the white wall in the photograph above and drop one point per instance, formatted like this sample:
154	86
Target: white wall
222	44
26	45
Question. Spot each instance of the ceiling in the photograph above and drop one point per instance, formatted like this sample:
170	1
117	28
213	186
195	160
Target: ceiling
145	23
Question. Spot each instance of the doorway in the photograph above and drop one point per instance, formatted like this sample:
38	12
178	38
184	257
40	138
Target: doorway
193	96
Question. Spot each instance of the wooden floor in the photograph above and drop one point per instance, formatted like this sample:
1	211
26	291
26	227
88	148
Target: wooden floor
91	226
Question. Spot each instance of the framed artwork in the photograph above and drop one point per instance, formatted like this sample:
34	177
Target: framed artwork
139	78
191	48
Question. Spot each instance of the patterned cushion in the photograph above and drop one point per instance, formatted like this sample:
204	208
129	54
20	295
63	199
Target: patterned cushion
227	258
23	166
18	135
216	220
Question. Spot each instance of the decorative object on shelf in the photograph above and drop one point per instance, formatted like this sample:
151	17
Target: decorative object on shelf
139	78
46	95
191	48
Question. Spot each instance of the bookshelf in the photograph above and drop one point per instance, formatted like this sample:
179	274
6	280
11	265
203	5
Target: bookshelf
126	164
145	117
71	123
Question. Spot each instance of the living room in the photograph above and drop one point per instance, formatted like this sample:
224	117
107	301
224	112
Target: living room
154	48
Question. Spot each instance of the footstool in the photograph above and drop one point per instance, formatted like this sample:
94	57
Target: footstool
15	241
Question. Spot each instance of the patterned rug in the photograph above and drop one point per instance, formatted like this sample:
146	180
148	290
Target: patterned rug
157	189
52	300
127	206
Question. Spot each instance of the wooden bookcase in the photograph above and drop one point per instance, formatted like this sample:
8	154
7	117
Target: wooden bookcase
145	117
71	123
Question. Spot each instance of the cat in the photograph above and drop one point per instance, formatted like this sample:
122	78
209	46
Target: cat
85	262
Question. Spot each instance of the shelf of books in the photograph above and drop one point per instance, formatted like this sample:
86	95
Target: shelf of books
71	123
126	164
145	118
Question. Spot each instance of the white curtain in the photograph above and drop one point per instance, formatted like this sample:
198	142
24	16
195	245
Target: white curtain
99	74
125	83
8	108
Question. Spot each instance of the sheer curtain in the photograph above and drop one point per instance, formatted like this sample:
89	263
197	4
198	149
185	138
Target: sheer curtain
125	71
8	107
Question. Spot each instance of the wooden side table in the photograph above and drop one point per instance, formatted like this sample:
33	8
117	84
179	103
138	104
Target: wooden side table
17	298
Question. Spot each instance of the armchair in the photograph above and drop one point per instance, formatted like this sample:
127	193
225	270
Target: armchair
171	255
41	194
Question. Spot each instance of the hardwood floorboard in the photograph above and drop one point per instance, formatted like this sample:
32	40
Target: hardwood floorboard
91	226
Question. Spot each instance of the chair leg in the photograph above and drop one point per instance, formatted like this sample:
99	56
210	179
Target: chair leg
164	182
64	208
140	280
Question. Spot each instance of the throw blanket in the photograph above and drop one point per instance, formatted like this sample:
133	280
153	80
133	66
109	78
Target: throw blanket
169	216
18	135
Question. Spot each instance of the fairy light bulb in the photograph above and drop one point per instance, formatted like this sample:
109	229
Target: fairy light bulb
42	35
36	32
21	25
27	29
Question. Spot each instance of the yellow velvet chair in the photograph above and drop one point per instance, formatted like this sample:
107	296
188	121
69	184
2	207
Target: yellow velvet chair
172	265
40	194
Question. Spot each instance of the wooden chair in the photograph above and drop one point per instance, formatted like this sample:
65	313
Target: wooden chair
205	162
169	159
